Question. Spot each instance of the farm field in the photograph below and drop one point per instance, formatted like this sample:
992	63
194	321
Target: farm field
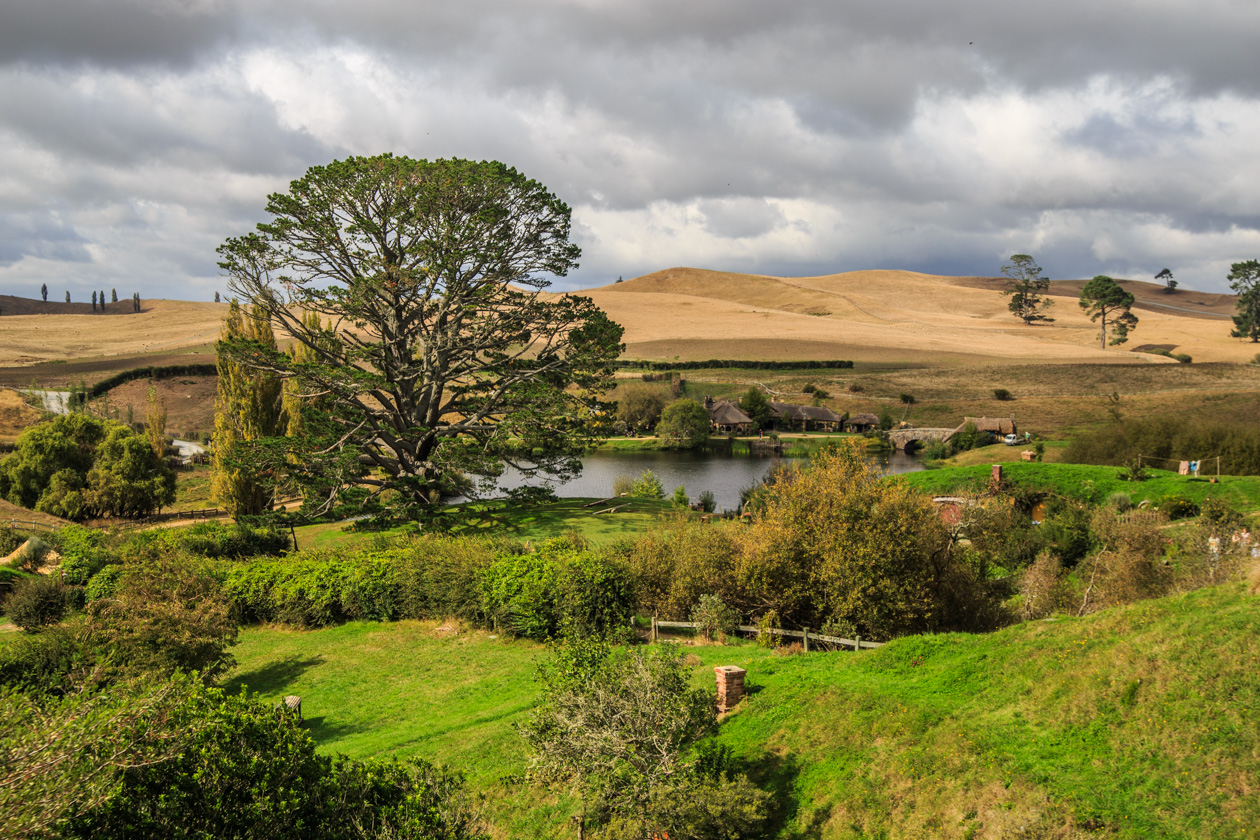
1124	721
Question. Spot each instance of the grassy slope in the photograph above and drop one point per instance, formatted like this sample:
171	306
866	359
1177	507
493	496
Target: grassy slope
526	522
1137	721
1087	482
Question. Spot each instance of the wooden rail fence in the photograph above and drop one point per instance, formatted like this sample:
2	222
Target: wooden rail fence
35	526
804	635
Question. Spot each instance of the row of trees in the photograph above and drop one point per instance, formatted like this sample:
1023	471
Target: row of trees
98	299
1104	300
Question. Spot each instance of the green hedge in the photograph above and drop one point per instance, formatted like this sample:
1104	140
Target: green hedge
539	595
150	372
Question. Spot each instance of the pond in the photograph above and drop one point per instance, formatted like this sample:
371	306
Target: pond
723	474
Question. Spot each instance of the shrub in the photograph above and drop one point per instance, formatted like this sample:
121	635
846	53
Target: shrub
10	540
716	619
1184	358
104	583
680	498
244	771
42	663
675	562
32	555
83	553
684	424
648	486
36	602
165	615
1120	501
217	540
1002	395
1220	519
855	388
708	502
623	485
1178	507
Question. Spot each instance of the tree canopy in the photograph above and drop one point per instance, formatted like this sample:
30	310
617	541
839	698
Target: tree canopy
77	466
684	425
1026	289
1244	279
434	353
1102	298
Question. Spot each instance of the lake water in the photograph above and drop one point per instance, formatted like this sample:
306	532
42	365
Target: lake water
724	475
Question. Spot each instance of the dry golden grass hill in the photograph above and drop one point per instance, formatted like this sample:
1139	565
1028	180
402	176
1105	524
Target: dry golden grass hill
29	334
895	317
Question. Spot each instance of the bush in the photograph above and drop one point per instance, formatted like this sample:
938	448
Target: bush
684	424
245	771
104	583
43	663
708	502
680	498
1178	507
675	562
1002	395
623	485
1184	358
32	555
10	540
83	553
36	602
1120	501
216	540
716	619
165	616
648	486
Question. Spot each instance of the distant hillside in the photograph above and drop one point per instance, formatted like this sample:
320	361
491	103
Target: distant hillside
10	305
883	316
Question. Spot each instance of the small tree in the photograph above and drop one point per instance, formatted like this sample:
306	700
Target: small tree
155	421
43	292
620	730
135	301
216	297
1026	288
639	404
67	296
113	296
93	301
1102	298
1170	285
1244	279
757	407
101	295
680	498
684	425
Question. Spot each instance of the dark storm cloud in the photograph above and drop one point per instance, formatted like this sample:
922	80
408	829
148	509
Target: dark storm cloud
122	33
805	137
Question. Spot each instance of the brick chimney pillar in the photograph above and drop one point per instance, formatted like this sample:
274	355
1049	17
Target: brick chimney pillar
730	686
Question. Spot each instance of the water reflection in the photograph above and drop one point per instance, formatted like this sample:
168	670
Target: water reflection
723	474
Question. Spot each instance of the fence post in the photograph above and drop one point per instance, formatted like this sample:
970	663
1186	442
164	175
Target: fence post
857	643
806	638
653	629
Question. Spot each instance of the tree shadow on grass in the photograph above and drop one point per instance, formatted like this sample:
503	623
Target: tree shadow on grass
777	775
324	730
273	677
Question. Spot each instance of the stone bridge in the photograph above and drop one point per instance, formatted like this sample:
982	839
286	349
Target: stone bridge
901	437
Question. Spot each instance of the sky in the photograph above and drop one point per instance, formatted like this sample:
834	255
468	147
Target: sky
803	138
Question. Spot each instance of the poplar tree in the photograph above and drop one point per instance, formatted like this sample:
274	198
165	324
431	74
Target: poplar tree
113	296
43	292
155	421
93	301
247	408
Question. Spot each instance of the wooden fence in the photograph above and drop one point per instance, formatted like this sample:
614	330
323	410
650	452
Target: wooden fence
34	526
804	635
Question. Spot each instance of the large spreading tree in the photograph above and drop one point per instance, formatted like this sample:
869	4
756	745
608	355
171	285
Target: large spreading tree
1244	278
1102	298
1026	289
434	353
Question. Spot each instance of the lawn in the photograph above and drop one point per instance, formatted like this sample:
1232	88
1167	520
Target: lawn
1090	483
526	522
1134	722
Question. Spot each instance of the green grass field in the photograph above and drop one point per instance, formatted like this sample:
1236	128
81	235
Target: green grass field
1135	722
526	522
1089	483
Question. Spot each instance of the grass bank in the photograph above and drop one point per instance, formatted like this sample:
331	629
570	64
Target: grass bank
1135	722
1091	483
526	522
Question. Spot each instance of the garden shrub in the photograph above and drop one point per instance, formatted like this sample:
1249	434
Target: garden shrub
680	498
716	619
166	615
217	540
441	577
36	602
1002	395
83	553
648	486
708	502
43	663
680	559
32	555
246	771
104	583
1120	501
623	485
1178	507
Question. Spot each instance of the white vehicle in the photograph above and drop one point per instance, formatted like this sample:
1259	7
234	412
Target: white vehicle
1011	440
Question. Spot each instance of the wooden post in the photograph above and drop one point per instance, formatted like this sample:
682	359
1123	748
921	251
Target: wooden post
857	643
806	639
654	631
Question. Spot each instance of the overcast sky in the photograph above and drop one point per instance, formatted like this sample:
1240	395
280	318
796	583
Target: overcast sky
798	138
